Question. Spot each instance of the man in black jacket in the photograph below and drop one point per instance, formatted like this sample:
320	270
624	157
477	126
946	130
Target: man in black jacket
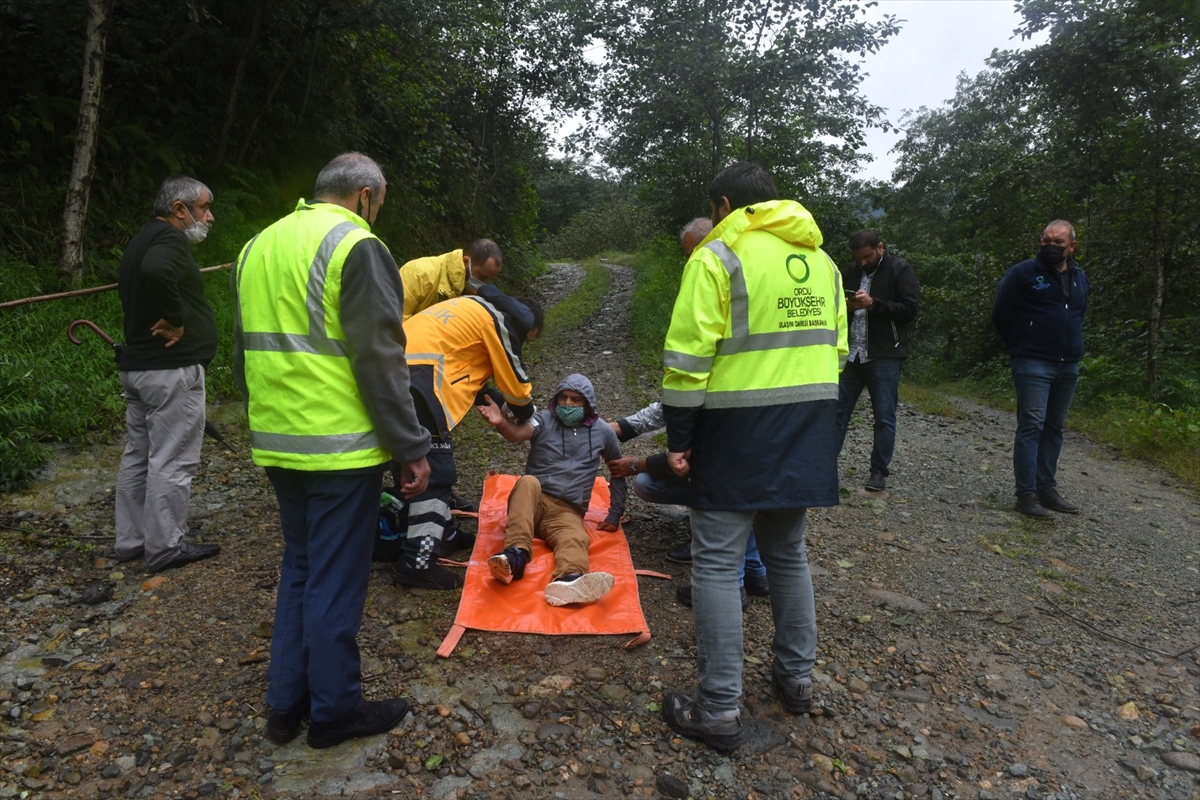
170	336
882	295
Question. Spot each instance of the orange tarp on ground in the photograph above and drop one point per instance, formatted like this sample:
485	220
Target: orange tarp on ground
520	607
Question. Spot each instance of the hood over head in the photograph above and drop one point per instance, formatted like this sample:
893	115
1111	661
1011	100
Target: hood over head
578	383
786	219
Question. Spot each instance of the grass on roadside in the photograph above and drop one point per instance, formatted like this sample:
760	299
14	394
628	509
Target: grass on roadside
929	400
572	311
52	390
1134	427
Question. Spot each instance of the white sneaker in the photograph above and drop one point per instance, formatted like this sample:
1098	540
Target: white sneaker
587	588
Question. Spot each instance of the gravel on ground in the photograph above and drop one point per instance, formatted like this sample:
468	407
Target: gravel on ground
965	651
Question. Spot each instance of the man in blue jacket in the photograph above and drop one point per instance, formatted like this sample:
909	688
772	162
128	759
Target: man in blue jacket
1038	312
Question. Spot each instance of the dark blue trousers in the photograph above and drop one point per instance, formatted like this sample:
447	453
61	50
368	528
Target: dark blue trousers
329	521
881	378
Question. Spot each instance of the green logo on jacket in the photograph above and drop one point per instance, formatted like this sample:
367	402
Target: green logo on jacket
802	260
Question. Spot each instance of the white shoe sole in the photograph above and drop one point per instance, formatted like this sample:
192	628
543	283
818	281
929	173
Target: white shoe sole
501	569
588	588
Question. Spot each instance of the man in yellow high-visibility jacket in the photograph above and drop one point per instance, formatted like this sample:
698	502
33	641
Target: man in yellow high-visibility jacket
319	354
454	349
752	355
434	279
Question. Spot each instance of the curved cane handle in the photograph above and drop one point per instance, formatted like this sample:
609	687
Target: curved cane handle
99	332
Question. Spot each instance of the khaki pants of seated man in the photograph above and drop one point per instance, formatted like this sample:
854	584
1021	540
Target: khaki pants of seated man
554	521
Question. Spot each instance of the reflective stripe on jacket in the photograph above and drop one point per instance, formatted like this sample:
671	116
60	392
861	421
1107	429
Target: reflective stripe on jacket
465	341
760	319
757	338
431	280
305	409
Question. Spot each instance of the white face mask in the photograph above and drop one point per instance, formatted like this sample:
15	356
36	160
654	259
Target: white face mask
196	231
473	283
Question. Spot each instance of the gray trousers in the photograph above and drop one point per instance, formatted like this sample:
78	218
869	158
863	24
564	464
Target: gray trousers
164	421
718	548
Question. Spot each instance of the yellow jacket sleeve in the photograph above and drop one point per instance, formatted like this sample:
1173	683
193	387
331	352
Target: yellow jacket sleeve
699	321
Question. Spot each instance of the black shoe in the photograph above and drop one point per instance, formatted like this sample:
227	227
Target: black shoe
377	716
189	553
509	564
461	504
684	595
757	585
283	726
876	483
125	558
1028	505
456	541
1052	500
794	693
432	577
721	732
681	553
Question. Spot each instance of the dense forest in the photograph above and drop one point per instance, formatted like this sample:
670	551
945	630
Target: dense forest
459	102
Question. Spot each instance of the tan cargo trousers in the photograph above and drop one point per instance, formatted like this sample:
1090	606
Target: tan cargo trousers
554	521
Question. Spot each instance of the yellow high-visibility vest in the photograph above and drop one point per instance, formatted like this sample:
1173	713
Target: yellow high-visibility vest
305	409
760	319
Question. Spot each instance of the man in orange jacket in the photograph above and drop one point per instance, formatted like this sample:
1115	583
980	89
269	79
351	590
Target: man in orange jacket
454	347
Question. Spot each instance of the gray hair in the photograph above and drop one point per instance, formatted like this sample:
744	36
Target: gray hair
1061	223
179	188
348	174
699	227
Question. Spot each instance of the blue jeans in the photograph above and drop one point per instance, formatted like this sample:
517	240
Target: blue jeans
673	490
1044	392
881	378
717	538
329	521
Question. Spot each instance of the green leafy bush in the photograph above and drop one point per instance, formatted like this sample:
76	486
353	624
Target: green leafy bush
621	224
660	268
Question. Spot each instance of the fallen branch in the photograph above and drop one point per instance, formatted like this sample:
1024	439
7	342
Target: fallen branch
473	710
1108	635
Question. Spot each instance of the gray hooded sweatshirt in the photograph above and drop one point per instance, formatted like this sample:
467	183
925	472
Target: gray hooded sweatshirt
564	459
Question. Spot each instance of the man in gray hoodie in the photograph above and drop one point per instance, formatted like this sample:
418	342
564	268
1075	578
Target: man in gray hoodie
566	443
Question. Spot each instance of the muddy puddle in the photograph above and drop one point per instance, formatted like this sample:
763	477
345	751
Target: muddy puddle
74	474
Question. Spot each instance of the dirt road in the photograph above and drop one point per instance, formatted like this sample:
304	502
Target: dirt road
965	652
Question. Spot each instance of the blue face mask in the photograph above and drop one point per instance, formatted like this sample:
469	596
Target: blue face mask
569	415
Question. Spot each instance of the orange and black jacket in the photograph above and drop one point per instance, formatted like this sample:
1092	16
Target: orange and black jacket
455	346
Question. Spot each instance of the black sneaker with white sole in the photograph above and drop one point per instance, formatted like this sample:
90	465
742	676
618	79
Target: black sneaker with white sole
432	577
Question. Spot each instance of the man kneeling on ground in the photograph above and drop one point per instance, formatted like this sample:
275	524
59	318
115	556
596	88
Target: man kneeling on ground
550	500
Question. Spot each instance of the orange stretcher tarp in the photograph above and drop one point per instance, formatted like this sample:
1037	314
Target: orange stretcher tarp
520	607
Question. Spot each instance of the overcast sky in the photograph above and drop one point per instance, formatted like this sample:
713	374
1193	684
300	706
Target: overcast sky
938	39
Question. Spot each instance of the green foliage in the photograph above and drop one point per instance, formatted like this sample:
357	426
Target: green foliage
52	390
691	86
621	224
19	414
1143	429
660	268
253	98
564	189
1098	125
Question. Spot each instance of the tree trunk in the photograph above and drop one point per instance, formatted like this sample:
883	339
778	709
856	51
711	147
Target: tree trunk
312	65
1156	302
262	112
83	165
238	74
